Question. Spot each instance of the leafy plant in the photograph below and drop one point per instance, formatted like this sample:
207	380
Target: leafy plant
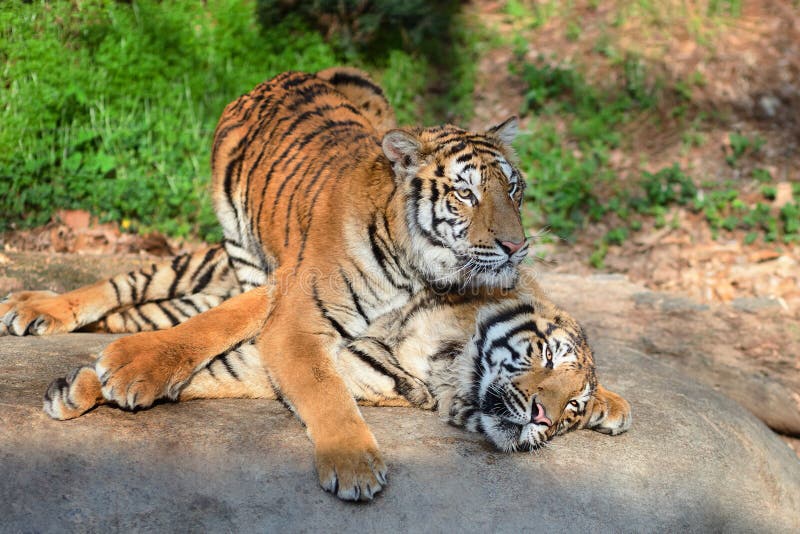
741	145
111	106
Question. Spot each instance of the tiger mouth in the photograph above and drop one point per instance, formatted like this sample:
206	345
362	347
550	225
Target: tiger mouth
495	267
514	432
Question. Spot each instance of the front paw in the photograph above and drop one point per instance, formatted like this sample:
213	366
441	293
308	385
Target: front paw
137	370
73	395
352	473
35	313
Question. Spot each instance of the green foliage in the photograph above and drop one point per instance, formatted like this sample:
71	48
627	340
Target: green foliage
560	189
563	179
430	41
741	145
790	216
663	188
577	124
595	114
371	28
112	107
725	7
762	175
532	14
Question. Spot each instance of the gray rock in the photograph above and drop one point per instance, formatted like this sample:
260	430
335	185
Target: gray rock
693	461
751	357
668	303
755	304
769	105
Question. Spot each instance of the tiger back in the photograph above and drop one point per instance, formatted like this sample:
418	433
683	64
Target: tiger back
341	225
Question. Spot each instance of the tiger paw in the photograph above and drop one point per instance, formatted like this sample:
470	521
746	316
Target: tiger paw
67	398
36	313
352	474
137	370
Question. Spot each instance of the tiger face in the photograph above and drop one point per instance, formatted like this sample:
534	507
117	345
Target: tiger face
533	378
463	194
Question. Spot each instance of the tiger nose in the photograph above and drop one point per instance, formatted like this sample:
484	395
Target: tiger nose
538	415
510	247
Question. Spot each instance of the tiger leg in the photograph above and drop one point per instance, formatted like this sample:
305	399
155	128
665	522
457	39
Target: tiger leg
155	315
237	373
73	395
137	370
297	356
206	272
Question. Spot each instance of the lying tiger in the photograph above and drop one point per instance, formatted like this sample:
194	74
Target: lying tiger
509	365
333	223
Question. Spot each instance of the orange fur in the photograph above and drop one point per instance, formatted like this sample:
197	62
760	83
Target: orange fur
344	226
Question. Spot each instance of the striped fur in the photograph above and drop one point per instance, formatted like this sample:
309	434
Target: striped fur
509	365
158	296
345	222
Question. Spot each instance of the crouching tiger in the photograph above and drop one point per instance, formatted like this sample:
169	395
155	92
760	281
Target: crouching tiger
510	365
351	219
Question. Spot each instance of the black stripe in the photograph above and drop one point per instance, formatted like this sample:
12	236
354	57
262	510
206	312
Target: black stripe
326	314
204	280
298	146
290	203
448	350
237	259
205	262
417	197
527	326
116	290
341	78
357	152
148	277
191	303
294	79
179	266
479	424
179	306
132	284
144	317
366	280
458	147
378	253
353	296
224	359
211	370
502	317
170	317
401	383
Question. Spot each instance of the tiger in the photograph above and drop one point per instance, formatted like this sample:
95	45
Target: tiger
330	220
509	365
162	295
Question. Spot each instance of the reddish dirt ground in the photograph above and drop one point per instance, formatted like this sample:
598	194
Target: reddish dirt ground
750	70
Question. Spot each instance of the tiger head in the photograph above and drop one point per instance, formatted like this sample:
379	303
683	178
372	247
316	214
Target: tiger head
462	194
530	377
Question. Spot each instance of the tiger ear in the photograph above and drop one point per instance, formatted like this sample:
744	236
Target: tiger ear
507	130
403	150
608	412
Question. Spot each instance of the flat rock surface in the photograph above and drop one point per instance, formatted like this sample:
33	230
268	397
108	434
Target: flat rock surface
694	461
751	355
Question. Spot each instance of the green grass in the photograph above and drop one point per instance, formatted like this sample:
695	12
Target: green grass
576	125
111	106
